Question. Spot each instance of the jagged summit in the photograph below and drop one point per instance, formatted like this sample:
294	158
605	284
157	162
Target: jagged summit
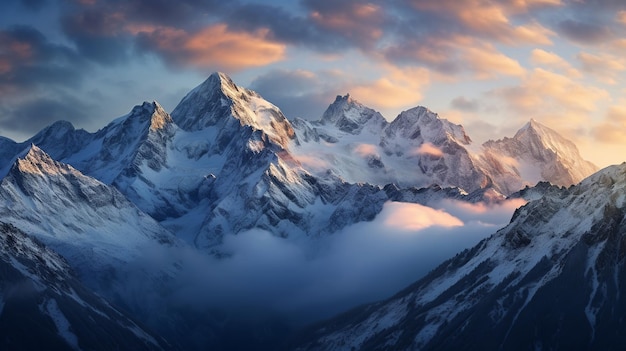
159	118
34	160
422	122
534	131
541	154
219	102
58	128
351	116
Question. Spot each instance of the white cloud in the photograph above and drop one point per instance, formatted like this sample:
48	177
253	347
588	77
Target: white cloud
305	281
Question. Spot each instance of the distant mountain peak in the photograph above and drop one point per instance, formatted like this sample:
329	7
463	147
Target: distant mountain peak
351	116
57	131
535	132
61	126
533	126
540	153
422	122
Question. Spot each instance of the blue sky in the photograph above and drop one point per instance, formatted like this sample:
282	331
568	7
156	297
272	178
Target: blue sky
489	65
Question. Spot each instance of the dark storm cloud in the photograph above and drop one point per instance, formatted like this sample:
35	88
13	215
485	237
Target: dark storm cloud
34	5
35	76
298	93
32	116
324	25
98	36
584	32
106	32
28	60
283	25
403	32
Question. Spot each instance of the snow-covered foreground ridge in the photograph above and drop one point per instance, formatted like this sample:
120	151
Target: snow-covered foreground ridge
554	278
226	160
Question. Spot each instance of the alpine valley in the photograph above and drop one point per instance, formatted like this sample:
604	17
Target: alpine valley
227	225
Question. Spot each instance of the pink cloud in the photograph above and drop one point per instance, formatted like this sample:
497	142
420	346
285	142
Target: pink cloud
364	150
428	149
489	214
415	217
314	163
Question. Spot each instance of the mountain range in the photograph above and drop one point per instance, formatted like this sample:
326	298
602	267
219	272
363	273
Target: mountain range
226	161
551	279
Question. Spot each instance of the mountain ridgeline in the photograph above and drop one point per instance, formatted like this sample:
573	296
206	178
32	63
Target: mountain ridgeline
120	211
227	160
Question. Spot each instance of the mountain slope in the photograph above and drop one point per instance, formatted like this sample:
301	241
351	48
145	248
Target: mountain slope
43	306
418	148
535	153
552	279
215	101
89	223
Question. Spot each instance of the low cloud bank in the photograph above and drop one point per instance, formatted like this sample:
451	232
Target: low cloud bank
300	282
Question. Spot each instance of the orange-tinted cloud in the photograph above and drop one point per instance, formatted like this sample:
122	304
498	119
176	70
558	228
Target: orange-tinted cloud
428	149
544	91
482	208
548	59
603	66
313	162
613	128
213	47
364	150
415	217
491	19
5	66
398	88
452	56
486	62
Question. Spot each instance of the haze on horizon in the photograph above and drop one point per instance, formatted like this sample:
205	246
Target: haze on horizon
488	65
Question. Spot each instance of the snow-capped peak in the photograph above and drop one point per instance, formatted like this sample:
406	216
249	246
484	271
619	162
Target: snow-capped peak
534	131
33	160
160	119
420	122
350	116
536	153
56	130
218	100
